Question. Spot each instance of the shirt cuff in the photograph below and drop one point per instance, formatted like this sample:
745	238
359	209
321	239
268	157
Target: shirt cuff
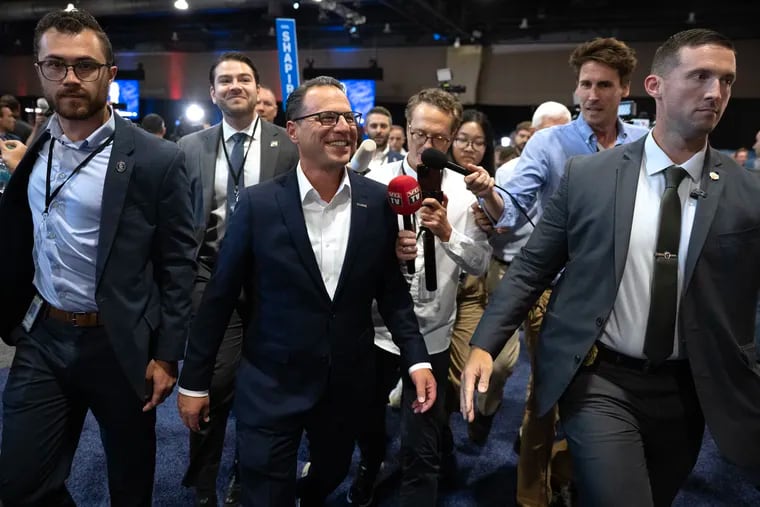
192	394
419	366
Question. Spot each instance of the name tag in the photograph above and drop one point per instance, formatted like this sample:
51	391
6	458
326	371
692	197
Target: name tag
31	314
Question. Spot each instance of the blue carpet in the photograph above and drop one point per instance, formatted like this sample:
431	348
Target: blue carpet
487	476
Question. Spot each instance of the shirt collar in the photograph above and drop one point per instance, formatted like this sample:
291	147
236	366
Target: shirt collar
588	135
309	194
228	131
656	160
91	142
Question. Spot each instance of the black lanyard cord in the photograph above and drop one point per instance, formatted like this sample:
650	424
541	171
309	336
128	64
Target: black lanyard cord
237	174
50	196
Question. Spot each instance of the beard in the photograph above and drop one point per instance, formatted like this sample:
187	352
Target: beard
77	103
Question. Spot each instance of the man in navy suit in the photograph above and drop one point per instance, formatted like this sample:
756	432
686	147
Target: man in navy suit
648	333
96	273
312	248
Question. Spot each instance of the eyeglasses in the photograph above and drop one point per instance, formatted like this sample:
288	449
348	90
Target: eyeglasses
463	142
331	118
421	137
56	70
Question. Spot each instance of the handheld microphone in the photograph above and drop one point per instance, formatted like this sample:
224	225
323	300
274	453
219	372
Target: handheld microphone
405	198
363	156
438	160
698	194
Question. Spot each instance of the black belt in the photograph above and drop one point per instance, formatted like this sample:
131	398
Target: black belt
600	353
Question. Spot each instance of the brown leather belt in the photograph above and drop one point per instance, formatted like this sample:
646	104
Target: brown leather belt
76	319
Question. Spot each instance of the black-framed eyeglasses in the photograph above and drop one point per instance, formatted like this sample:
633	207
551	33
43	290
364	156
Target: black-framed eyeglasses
421	137
330	118
463	142
56	70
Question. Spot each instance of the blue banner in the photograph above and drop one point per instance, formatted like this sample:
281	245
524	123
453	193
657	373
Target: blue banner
287	53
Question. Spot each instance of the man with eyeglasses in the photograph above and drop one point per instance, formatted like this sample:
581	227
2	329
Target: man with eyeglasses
433	117
312	249
96	275
240	151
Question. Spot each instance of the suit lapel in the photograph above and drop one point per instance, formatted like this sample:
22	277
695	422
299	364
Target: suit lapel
207	163
359	202
706	208
625	199
289	200
269	150
118	174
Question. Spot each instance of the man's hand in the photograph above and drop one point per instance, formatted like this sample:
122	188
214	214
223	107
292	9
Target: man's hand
433	216
479	182
424	382
12	152
479	366
160	378
406	245
193	410
482	219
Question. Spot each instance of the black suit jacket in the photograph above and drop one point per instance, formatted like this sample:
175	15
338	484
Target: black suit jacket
586	228
145	259
278	155
302	347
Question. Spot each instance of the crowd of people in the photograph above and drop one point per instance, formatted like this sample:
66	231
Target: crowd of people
300	301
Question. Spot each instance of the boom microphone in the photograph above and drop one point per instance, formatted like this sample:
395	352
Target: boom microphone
438	160
405	198
363	156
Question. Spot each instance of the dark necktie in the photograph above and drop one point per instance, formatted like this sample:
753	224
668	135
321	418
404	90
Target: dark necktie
661	325
236	177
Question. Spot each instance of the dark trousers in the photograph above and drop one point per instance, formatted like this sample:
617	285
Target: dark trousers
207	445
268	457
58	373
421	439
633	436
373	439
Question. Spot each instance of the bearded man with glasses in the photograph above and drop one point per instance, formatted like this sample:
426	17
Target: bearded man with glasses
312	249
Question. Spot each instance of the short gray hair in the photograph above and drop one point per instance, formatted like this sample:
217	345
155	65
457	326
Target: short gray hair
550	109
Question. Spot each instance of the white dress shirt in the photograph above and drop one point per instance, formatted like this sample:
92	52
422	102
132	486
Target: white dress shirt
626	328
467	250
251	168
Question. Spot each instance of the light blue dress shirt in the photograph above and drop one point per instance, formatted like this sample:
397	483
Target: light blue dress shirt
66	239
542	164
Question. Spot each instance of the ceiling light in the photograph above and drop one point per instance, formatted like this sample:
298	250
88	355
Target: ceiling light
524	24
387	28
691	19
296	5
457	42
175	36
181	5
352	30
70	7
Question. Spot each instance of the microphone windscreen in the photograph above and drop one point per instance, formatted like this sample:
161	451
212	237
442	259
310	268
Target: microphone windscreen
404	195
42	104
363	156
434	159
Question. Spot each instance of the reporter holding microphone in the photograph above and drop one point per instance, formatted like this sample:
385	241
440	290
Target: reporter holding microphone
433	117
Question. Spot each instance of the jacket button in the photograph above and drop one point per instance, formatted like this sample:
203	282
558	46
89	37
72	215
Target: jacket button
599	322
577	359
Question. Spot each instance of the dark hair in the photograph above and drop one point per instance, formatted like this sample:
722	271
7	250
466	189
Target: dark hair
11	102
475	116
381	110
524	125
666	57
608	51
72	22
236	56
506	153
443	100
153	123
294	104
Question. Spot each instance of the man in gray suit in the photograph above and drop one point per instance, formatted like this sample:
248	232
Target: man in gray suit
241	151
649	331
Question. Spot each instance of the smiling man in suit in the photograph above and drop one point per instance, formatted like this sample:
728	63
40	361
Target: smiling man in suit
648	334
240	151
312	248
96	273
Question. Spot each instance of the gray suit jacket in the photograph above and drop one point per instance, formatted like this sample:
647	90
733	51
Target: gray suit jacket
586	229
278	155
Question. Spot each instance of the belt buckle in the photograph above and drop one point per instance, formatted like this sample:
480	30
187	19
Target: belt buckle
80	319
591	356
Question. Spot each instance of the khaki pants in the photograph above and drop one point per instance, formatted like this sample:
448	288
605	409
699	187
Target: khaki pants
541	458
472	298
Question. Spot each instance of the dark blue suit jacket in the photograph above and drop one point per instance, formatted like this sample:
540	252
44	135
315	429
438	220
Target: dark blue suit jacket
146	250
302	347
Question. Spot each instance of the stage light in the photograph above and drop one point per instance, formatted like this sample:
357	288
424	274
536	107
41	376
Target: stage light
181	5
70	7
296	5
457	42
195	113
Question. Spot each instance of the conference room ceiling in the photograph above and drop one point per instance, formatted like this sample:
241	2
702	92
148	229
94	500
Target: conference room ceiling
214	25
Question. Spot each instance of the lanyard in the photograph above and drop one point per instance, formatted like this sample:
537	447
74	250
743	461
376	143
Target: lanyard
237	174
48	196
